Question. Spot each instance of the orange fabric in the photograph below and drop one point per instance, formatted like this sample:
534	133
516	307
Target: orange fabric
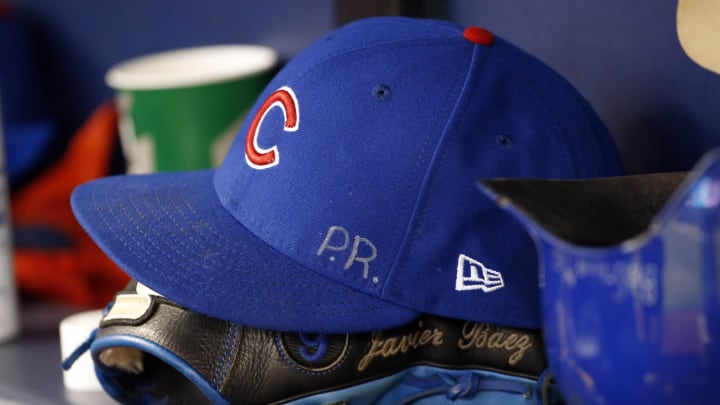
80	275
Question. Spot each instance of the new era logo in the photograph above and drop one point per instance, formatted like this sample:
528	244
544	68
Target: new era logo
473	275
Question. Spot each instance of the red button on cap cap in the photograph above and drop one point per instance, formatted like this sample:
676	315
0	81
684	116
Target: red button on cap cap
478	35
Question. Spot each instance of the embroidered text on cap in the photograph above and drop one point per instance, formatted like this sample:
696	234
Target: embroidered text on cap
260	158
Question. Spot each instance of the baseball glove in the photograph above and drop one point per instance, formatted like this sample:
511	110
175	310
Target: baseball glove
148	349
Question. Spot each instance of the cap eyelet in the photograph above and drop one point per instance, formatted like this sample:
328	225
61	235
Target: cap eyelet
504	141
381	92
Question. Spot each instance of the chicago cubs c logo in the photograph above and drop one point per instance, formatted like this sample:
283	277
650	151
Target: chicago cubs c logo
260	158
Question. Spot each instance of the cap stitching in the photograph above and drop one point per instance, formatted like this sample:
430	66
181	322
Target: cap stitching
217	236
221	237
429	183
184	277
419	194
127	234
400	260
181	242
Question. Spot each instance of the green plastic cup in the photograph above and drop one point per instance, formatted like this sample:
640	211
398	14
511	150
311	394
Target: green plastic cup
181	109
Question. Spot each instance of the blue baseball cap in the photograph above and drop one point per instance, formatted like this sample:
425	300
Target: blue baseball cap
347	201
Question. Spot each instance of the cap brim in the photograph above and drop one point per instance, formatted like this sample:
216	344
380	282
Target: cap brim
170	232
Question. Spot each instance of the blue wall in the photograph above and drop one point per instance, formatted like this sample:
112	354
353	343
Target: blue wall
662	109
77	41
